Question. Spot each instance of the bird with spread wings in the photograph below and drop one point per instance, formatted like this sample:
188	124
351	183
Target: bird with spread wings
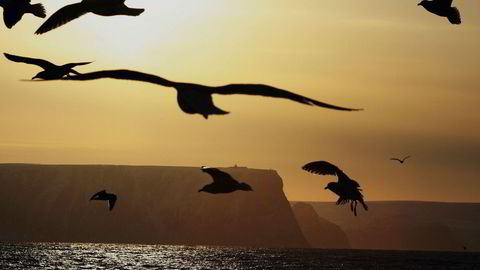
50	70
104	196
99	7
222	182
401	160
347	189
196	98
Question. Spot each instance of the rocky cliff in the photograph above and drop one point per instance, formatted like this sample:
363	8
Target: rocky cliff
159	205
319	232
408	225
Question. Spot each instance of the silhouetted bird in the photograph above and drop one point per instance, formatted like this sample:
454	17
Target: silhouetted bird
443	8
401	160
13	10
347	189
222	182
195	98
51	71
104	196
98	7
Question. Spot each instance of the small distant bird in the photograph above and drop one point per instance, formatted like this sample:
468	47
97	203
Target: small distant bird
13	10
222	182
401	160
196	98
51	71
347	189
99	7
104	196
443	8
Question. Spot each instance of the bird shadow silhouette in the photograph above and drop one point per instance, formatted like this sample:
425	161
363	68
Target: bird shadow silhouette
222	182
50	70
104	196
442	8
347	189
99	7
196	98
401	160
13	11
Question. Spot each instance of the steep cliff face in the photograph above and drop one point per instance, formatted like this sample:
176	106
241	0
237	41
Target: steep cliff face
408	225
319	232
159	205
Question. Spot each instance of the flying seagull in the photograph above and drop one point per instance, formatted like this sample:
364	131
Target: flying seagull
98	7
401	160
104	196
442	8
347	189
51	71
222	182
196	98
13	10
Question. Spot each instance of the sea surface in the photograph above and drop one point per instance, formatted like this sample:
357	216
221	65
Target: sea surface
116	256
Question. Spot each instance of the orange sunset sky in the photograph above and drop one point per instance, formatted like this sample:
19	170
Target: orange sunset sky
416	76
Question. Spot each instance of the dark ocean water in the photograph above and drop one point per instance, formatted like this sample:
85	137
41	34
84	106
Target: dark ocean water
113	256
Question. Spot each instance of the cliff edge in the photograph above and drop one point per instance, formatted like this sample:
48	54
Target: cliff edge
156	205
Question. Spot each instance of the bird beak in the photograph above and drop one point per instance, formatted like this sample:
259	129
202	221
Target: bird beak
34	78
200	190
326	187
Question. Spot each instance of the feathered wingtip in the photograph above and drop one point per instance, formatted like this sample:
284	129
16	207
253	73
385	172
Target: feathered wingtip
39	10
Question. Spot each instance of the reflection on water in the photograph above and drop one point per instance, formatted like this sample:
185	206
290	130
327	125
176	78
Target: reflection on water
114	256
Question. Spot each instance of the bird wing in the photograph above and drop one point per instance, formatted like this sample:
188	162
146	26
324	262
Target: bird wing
269	91
63	16
405	158
122	74
354	183
397	159
98	194
219	176
326	168
111	201
33	61
321	167
72	65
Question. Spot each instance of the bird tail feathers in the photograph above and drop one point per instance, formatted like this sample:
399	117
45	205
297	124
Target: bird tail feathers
38	10
214	110
454	16
217	110
134	11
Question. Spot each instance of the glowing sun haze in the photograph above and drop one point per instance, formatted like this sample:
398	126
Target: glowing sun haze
416	75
